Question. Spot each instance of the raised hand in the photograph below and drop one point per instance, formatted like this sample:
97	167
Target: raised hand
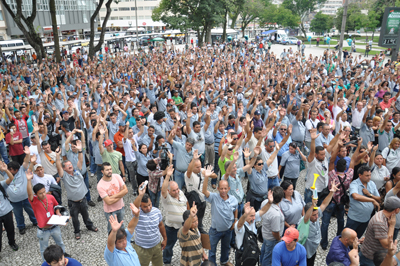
257	150
29	174
193	210
33	158
196	154
236	155
58	151
79	145
27	151
334	187
209	170
170	170
247	208
270	196
135	210
3	166
115	225
246	152
313	133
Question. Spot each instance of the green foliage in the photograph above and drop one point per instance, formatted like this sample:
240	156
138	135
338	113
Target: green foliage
280	15
355	19
302	8
321	23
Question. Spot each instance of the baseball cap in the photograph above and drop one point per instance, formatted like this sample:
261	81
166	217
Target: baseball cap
257	113
247	94
121	123
392	203
64	112
107	142
37	166
291	234
170	101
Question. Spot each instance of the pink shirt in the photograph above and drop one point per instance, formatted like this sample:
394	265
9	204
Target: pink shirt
109	188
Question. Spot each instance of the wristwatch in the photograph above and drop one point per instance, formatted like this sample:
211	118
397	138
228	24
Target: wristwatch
79	151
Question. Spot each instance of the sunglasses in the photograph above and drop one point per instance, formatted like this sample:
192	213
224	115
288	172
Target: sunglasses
235	139
230	149
259	164
283	129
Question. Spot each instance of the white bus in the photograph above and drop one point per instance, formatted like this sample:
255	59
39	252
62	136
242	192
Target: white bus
12	43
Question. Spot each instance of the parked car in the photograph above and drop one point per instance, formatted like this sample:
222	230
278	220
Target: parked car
291	40
144	40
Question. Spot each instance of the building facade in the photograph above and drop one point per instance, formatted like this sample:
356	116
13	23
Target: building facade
72	17
123	15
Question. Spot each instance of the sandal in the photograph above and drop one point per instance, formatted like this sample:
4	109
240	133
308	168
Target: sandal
94	229
77	236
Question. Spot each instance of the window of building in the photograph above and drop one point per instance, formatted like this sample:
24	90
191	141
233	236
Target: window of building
85	19
140	8
133	8
113	18
1	16
125	18
124	9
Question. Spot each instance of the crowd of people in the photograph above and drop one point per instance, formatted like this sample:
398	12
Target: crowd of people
225	128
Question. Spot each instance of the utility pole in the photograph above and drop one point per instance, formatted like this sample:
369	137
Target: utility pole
346	4
137	27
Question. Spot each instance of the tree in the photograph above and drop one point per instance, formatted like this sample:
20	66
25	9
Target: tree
302	8
321	23
92	48
353	13
252	9
25	24
199	15
279	15
55	30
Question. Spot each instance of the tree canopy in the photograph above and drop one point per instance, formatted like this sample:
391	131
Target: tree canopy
321	23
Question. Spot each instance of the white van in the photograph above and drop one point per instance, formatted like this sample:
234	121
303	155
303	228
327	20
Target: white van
280	35
12	43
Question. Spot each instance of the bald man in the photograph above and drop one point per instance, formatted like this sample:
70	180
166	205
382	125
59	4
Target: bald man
175	204
224	214
340	248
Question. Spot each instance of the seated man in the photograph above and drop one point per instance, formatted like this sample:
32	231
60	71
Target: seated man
118	252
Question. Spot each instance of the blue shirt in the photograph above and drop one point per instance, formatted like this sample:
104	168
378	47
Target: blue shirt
361	211
348	160
259	181
222	210
338	252
323	140
71	262
16	190
291	162
278	138
122	258
235	185
282	256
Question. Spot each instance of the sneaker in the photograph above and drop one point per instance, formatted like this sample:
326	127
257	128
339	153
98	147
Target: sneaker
91	203
22	231
91	175
14	247
99	199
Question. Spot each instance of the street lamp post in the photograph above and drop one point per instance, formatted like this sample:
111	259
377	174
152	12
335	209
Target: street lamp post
137	27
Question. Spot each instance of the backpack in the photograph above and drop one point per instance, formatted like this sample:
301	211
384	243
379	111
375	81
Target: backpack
249	253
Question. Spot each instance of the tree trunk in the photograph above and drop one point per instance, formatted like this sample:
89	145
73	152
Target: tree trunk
303	29
93	49
29	30
234	19
224	25
55	31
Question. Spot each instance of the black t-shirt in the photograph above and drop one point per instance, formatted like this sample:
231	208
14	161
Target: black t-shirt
69	124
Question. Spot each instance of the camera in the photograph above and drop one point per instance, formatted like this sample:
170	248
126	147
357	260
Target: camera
163	156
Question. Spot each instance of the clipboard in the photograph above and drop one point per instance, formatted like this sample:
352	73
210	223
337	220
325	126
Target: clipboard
205	241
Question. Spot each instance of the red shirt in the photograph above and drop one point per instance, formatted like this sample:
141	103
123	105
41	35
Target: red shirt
118	137
39	208
16	149
23	119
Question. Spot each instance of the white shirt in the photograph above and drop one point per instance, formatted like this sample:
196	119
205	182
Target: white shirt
310	124
129	154
46	180
273	168
34	150
378	175
392	159
336	110
357	117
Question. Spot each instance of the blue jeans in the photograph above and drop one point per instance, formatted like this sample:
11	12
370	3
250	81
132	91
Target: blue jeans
99	174
26	142
326	218
395	234
155	198
120	216
86	180
19	215
273	182
365	261
215	237
3	152
93	166
266	252
357	226
44	237
308	194
179	178
172	237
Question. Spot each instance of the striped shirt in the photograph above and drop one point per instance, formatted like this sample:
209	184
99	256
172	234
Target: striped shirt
173	210
217	138
377	229
147	231
192	249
